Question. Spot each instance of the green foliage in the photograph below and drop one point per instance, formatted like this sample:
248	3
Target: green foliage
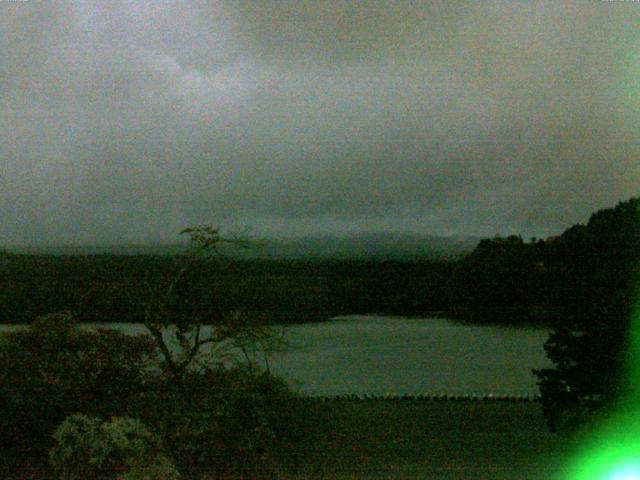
232	421
583	283
106	288
597	284
53	369
226	420
215	419
506	281
584	277
121	448
586	379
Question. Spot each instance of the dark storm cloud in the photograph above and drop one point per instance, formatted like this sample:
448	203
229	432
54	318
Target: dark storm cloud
125	121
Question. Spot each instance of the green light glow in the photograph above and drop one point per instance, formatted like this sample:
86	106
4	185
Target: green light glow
613	451
630	472
612	454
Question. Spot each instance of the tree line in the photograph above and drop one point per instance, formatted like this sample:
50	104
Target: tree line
584	276
104	288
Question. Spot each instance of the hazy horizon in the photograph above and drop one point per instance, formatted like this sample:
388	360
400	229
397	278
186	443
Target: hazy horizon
340	235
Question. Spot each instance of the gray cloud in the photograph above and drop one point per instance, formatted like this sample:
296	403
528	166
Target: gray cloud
125	121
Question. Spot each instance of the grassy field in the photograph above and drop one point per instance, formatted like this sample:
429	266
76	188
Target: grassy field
453	440
429	440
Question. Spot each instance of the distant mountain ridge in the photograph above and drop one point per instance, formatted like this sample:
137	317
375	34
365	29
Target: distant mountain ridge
378	246
370	246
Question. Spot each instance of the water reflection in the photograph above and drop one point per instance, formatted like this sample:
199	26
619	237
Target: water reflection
372	354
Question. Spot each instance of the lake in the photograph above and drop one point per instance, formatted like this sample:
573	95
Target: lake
373	354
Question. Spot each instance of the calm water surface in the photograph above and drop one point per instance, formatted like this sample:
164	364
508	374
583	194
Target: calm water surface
371	354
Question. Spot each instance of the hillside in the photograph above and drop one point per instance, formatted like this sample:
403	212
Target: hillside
587	274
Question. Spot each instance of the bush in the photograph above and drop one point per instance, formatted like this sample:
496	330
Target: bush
225	421
587	380
53	369
121	448
234	422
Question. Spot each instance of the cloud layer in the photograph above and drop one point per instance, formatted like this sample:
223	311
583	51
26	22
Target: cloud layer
125	121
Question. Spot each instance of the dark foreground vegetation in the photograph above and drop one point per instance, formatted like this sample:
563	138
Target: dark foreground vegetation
79	404
97	404
104	405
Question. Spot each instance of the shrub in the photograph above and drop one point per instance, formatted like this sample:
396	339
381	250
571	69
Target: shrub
221	421
587	380
235	421
121	448
53	369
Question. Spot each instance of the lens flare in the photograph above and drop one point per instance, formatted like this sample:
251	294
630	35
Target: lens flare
628	472
612	452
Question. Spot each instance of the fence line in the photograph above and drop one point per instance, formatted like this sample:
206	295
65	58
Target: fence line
471	397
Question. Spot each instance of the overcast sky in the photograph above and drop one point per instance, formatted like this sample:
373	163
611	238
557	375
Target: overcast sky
125	121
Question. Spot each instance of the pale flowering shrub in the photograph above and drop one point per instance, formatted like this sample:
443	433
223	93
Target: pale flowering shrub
119	449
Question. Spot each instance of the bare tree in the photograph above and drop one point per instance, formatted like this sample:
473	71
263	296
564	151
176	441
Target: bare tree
187	338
